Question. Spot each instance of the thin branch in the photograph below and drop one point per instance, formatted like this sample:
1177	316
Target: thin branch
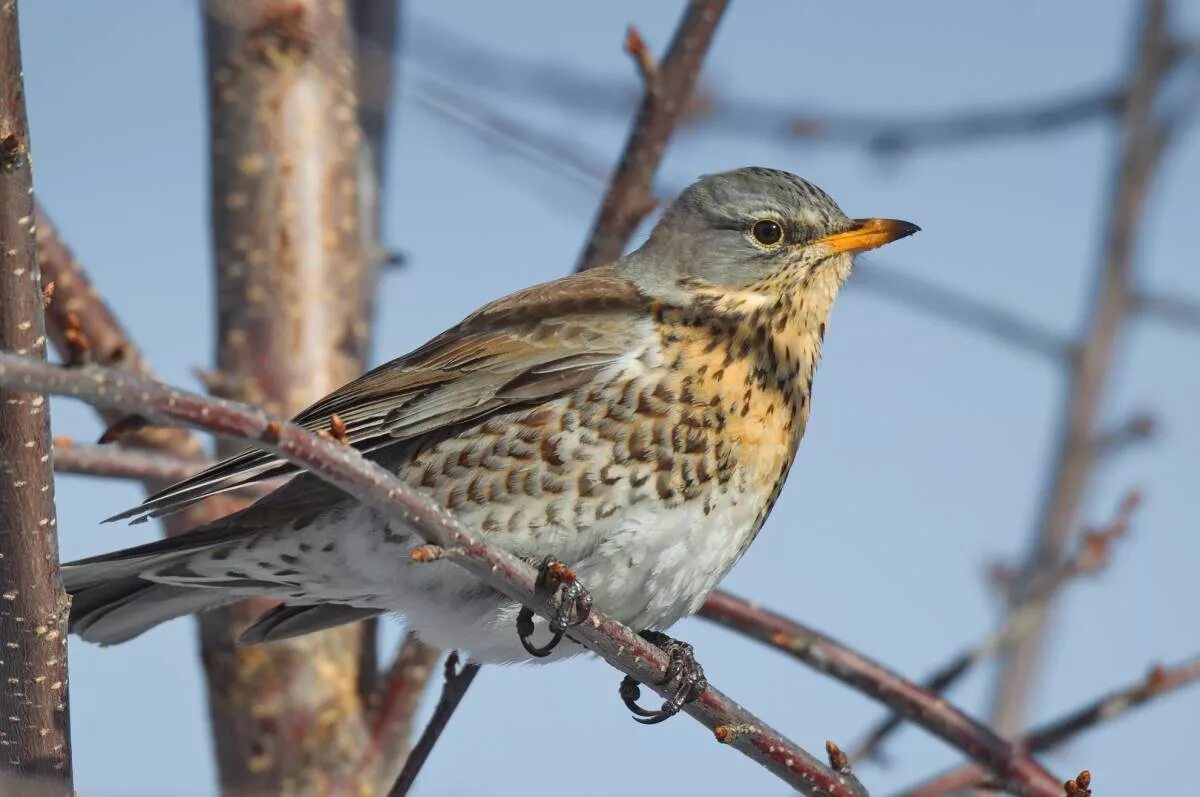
455	687
374	486
1182	311
1142	140
1157	684
579	91
628	199
398	697
1009	765
1093	554
116	462
965	311
35	730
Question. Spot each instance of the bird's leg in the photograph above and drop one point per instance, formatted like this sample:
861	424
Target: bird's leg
683	672
572	605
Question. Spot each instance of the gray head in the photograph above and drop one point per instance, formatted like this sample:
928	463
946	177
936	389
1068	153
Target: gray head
740	227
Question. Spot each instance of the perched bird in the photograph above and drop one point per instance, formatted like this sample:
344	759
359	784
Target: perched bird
635	422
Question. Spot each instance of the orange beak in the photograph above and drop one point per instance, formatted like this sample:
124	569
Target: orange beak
868	234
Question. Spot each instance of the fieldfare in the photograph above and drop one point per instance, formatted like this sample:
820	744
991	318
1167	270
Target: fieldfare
635	422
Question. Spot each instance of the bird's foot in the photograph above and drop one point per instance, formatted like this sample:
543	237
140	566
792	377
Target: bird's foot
684	673
572	605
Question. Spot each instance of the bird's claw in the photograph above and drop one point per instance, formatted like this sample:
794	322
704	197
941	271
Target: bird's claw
683	671
572	605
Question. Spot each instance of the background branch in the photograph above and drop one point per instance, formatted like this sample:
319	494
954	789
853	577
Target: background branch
35	728
628	198
1142	140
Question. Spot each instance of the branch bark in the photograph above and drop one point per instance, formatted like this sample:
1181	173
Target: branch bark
35	740
629	199
293	289
1142	140
374	486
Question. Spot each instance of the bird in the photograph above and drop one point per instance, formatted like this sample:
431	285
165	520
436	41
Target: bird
631	425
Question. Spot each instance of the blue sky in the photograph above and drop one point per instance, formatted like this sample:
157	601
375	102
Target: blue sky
928	446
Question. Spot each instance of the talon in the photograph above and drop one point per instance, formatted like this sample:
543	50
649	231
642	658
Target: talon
572	606
682	670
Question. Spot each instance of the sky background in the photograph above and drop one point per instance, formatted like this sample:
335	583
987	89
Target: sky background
928	446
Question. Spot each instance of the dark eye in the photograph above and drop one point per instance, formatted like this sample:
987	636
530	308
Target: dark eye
767	232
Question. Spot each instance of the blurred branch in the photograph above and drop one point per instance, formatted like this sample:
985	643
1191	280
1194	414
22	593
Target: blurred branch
295	279
398	698
668	90
35	728
1093	554
1010	766
1142	141
1157	684
121	463
1183	311
925	296
375	486
455	686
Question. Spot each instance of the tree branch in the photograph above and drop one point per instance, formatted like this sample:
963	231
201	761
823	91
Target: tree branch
1158	683
628	199
117	462
35	735
1142	140
1182	311
1009	765
374	486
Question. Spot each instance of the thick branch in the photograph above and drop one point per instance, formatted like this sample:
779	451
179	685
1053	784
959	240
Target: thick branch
117	462
1141	145
374	486
34	722
628	199
1008	764
1157	684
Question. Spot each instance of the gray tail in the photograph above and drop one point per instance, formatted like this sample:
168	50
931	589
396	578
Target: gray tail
111	602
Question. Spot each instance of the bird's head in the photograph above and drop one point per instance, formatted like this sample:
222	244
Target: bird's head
753	232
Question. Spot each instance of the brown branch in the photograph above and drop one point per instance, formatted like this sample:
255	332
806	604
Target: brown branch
628	199
457	681
35	730
1142	140
1092	556
1018	772
117	462
374	486
1157	684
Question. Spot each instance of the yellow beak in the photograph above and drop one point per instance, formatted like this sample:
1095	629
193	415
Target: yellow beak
868	234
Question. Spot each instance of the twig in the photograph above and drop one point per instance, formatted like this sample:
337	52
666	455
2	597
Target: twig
374	486
1010	766
958	308
1182	311
628	199
35	730
1092	555
121	463
1158	683
1142	142
455	687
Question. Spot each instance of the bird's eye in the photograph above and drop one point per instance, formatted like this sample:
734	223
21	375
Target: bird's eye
767	232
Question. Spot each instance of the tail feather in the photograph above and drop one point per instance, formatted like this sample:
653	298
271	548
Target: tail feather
285	621
121	609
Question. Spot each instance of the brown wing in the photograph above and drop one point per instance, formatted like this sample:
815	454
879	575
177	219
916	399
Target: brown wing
526	348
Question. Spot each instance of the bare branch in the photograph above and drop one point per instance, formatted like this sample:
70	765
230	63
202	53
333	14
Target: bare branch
965	311
1182	311
1157	684
628	199
1009	765
118	462
1142	143
374	486
35	729
1093	554
455	687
